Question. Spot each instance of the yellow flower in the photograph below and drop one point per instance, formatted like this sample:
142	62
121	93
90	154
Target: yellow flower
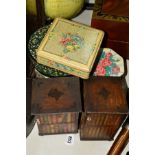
70	48
76	46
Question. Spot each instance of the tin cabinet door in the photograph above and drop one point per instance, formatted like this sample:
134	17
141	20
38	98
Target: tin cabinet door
98	126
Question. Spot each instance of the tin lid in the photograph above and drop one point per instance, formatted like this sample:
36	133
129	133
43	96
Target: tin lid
56	95
105	95
72	44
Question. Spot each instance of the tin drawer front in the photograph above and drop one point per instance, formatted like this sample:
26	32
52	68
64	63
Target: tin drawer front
100	126
99	119
57	118
98	133
57	128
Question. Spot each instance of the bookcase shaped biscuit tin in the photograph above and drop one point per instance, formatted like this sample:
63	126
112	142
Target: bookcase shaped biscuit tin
70	47
105	108
56	103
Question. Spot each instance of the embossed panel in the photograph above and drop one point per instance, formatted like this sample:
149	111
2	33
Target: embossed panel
105	94
56	95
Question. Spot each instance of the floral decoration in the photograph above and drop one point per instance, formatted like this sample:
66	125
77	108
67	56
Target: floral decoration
71	42
115	69
107	65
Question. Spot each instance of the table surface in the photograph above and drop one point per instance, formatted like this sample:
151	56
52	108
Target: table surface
55	144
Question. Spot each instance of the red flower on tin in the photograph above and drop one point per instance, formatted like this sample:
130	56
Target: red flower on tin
50	62
116	69
100	70
105	62
66	40
108	55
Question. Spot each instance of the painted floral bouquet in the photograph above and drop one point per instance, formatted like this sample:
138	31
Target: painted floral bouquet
71	42
110	64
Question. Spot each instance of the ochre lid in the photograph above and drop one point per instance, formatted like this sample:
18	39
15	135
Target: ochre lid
71	44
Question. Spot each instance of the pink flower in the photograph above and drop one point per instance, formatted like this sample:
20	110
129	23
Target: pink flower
50	62
108	55
100	71
105	62
64	41
116	69
68	39
74	43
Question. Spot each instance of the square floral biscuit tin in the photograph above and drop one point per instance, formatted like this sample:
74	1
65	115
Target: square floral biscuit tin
70	47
